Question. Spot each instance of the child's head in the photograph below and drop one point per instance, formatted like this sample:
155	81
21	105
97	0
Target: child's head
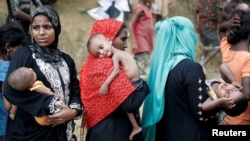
22	78
99	46
11	36
241	32
233	92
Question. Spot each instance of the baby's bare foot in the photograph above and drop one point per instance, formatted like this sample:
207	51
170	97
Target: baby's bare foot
134	132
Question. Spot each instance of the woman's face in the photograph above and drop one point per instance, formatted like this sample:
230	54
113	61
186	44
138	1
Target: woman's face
120	42
43	31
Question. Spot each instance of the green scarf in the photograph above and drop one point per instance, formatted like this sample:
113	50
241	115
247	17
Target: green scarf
175	41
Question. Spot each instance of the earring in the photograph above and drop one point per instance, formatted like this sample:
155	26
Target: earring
8	51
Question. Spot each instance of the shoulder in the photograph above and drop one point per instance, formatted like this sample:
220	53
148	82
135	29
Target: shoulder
69	60
190	67
188	62
66	56
23	50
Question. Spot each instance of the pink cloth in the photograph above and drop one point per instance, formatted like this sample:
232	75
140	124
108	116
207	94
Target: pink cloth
144	30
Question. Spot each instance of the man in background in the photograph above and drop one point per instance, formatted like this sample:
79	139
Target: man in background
207	17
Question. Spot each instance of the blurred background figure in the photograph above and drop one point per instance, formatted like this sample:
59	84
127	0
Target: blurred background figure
19	11
207	17
160	9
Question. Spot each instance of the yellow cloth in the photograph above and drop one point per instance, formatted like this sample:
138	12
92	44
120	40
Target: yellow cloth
211	92
42	120
36	85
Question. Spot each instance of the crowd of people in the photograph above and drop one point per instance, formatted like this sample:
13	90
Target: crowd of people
41	94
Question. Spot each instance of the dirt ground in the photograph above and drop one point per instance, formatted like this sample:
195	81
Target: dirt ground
76	25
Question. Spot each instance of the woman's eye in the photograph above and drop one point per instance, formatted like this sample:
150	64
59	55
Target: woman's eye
47	27
35	27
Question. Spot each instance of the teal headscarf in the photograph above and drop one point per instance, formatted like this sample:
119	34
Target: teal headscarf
175	41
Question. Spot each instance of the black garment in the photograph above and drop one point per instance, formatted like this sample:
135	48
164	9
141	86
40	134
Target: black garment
117	127
183	119
30	104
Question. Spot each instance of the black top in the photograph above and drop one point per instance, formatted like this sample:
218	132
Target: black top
183	119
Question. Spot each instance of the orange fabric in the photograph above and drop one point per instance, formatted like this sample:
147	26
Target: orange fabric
42	120
36	85
239	63
108	27
93	74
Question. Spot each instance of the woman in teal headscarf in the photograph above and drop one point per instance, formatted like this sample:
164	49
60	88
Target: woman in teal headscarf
172	110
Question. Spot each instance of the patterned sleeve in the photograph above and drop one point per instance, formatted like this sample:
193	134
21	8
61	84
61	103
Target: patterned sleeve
14	5
37	3
198	92
219	4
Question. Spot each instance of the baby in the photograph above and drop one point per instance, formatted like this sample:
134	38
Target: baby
25	78
100	46
225	95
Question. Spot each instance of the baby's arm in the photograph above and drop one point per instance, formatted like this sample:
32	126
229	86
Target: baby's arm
104	88
10	107
13	111
211	104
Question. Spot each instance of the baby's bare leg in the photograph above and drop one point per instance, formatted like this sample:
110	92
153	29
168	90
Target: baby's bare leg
13	111
136	128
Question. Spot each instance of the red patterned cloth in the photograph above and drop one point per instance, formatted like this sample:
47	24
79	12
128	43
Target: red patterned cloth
108	27
93	74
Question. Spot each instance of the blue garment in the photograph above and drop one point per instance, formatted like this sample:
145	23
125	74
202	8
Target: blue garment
175	41
3	113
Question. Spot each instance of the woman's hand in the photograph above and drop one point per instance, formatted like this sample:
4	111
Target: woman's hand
62	117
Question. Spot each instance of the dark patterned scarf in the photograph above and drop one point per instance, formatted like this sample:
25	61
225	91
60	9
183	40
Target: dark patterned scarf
50	54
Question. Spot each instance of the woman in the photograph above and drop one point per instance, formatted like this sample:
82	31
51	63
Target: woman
172	111
235	54
105	116
57	71
11	36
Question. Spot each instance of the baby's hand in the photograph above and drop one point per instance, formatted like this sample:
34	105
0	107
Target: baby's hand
104	89
227	102
60	97
12	116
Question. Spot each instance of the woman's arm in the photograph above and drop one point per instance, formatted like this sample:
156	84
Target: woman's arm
135	99
74	98
211	104
62	117
194	82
